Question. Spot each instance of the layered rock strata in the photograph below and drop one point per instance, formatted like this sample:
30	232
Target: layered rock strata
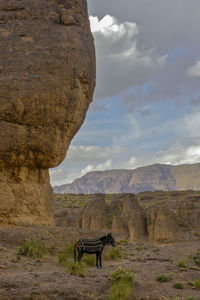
47	79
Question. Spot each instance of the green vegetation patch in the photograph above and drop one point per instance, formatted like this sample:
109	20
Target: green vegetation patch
122	282
181	263
76	268
114	254
70	200
197	234
123	242
163	278
197	284
191	283
141	248
196	260
89	260
32	249
177	285
66	254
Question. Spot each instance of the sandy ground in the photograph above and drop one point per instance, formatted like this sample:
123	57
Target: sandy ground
25	278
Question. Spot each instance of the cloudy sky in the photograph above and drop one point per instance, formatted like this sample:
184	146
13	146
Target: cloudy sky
146	107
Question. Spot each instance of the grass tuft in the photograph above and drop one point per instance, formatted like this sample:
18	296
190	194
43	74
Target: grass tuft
32	249
76	268
122	281
197	234
123	242
114	254
66	254
177	286
163	278
89	260
181	263
197	284
196	260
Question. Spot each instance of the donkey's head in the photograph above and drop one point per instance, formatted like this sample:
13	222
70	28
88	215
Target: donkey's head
110	240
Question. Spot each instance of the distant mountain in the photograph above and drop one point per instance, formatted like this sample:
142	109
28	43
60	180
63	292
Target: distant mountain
149	178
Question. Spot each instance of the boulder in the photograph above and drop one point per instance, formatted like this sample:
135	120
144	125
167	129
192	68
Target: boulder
47	79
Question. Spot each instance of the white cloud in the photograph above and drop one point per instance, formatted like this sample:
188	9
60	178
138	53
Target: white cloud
58	176
179	155
121	61
91	154
100	167
132	163
191	125
194	70
133	57
108	26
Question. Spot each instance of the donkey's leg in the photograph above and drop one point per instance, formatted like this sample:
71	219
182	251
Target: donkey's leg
100	266
97	259
80	255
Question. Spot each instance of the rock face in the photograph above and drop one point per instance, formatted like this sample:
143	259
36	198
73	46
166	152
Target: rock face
130	219
137	226
150	216
123	215
150	178
94	215
162	224
47	79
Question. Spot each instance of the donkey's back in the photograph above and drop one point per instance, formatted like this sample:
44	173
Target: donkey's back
90	245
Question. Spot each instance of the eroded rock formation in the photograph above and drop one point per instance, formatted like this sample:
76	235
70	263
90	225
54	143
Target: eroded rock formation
94	216
123	215
47	79
162	224
150	216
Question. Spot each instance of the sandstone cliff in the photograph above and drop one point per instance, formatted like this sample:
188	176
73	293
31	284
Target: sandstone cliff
149	178
47	79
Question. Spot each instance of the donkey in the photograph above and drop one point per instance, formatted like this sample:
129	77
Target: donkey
95	246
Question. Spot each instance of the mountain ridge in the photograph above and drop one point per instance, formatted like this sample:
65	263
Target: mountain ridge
147	178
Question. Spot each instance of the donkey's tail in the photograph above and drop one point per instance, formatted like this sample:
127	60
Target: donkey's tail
75	251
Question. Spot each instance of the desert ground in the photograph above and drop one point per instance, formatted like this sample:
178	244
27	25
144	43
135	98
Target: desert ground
23	277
